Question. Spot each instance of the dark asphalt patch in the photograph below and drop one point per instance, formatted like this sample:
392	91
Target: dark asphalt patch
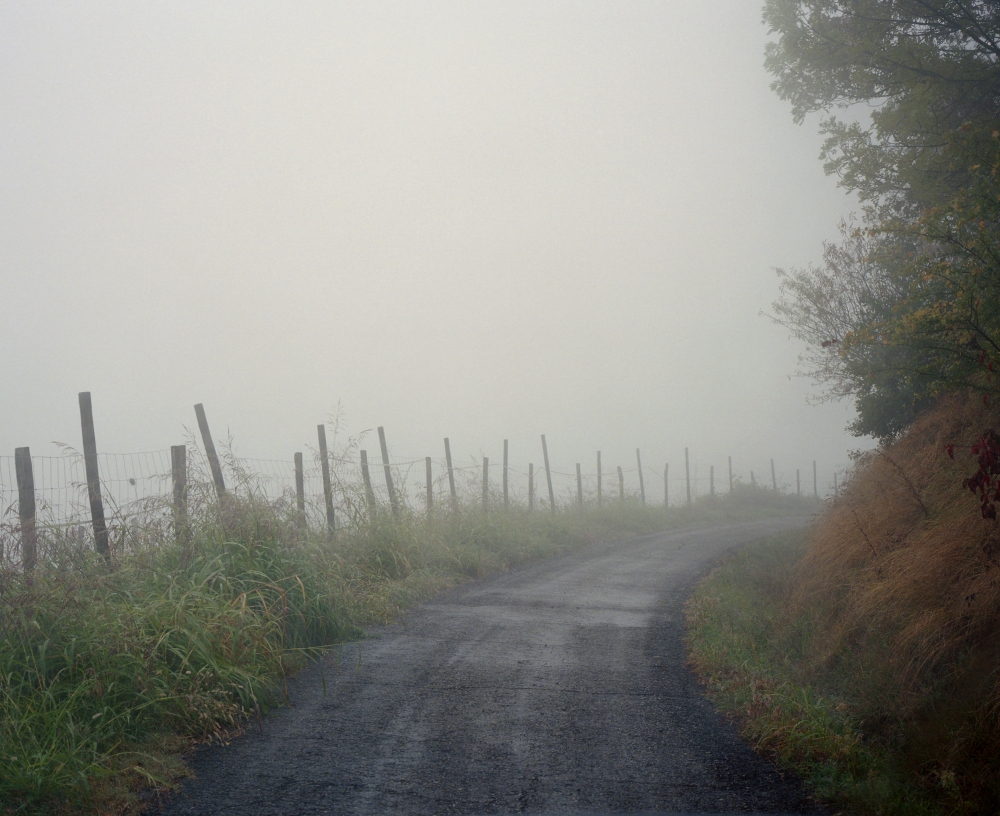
556	688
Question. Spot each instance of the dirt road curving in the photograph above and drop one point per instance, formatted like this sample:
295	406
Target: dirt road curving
556	688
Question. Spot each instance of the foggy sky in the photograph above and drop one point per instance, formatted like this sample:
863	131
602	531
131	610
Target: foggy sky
481	221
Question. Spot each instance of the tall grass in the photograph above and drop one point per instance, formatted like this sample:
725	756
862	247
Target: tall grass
184	639
891	609
755	657
187	637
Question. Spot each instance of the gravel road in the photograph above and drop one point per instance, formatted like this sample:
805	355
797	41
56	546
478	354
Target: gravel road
555	688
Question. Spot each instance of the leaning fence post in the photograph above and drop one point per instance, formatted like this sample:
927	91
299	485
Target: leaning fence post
506	495
178	476
798	483
393	502
711	480
26	508
666	485
430	484
101	544
324	464
579	486
300	489
548	476
600	491
642	482
451	475
774	479
213	457
621	484
531	487
367	477
486	484
730	474
687	475
815	481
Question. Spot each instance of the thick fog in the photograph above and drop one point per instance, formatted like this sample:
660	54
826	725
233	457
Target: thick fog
480	221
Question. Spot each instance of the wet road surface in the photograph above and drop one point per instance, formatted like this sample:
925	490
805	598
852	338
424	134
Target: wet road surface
560	687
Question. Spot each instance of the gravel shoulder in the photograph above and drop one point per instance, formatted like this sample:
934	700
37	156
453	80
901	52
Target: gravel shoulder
560	687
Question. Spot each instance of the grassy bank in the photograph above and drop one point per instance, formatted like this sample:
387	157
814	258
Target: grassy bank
755	657
866	654
107	674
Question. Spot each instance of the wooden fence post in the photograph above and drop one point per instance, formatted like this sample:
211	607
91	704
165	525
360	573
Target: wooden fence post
178	476
324	462
367	477
486	484
393	501
836	491
666	485
815	481
711	480
430	484
687	475
798	483
579	486
730	474
600	490
621	484
753	481
774	479
548	476
506	494
300	489
26	509
101	544
451	475
531	487
642	481
213	457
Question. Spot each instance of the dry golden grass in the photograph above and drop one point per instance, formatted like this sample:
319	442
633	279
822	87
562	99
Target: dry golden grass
865	654
901	577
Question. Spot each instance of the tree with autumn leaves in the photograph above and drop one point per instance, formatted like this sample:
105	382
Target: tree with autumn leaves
907	305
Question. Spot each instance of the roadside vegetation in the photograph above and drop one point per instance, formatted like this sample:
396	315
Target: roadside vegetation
865	653
109	672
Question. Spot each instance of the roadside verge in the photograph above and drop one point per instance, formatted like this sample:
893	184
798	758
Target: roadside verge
753	647
106	675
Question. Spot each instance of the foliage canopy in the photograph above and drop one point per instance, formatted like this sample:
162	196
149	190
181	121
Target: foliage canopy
907	306
927	67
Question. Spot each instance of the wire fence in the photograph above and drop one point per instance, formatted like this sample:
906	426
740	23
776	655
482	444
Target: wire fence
137	489
51	506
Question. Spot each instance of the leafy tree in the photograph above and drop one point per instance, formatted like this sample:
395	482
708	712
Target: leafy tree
927	67
843	310
907	306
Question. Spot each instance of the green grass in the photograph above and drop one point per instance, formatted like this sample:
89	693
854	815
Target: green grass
95	665
106	675
753	644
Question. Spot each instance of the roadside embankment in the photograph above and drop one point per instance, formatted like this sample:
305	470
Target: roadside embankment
107	672
866	653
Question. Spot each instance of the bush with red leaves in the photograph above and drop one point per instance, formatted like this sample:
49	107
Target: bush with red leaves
985	482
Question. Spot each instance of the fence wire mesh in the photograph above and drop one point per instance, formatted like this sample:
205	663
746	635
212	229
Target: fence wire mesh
137	489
